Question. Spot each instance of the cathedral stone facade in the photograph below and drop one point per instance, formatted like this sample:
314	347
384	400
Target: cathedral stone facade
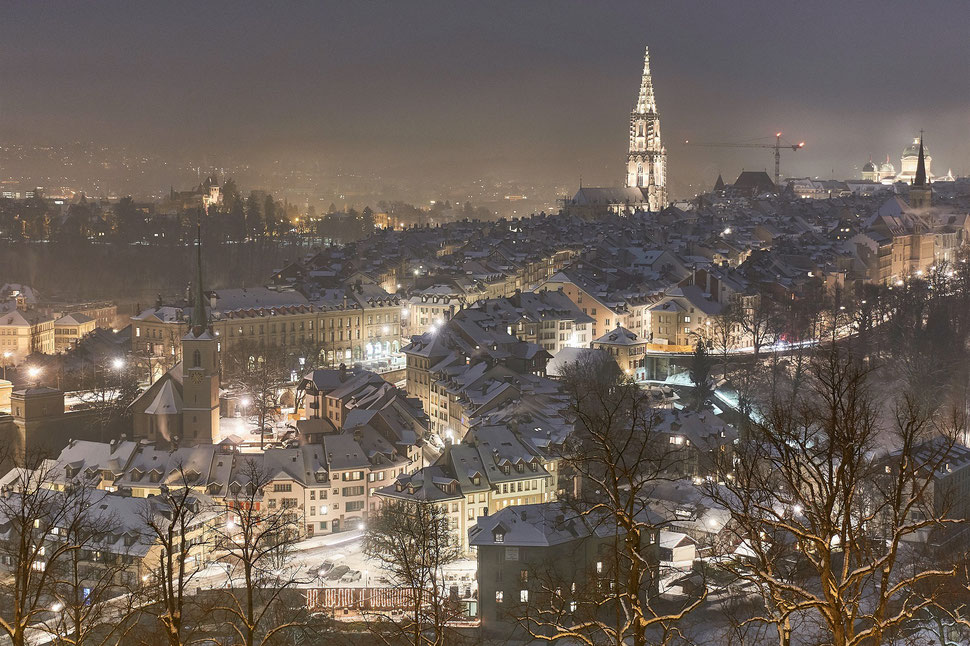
646	166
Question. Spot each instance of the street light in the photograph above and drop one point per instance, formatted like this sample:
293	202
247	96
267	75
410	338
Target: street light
118	363
33	372
6	357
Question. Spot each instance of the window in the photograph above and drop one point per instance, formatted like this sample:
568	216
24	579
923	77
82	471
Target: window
511	554
499	596
524	576
354	505
282	487
499	537
196	359
523	596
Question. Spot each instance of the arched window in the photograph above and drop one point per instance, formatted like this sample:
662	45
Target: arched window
641	180
640	129
196	359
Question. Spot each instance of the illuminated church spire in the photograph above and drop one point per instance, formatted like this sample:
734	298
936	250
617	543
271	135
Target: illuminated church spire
199	321
647	158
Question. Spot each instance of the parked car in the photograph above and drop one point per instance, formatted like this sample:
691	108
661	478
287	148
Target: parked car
338	572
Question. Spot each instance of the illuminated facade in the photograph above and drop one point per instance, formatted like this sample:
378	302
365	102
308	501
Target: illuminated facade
646	166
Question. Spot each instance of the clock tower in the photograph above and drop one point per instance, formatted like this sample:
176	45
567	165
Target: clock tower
200	371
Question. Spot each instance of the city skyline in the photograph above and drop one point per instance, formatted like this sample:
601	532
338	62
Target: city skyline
319	94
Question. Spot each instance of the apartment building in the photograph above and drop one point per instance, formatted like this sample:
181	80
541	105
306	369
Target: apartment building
71	328
480	476
352	323
23	332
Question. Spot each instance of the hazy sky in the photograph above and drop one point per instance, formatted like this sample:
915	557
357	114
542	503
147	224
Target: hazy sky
534	90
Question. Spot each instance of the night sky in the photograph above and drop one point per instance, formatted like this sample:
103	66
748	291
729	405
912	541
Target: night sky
538	91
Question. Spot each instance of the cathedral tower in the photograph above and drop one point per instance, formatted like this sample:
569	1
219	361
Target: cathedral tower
200	372
646	166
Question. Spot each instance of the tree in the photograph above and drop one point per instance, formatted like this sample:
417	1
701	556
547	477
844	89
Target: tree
255	543
230	194
130	223
114	388
255	226
45	532
260	373
94	608
615	457
830	524
366	222
756	318
176	521
413	542
700	376
270	215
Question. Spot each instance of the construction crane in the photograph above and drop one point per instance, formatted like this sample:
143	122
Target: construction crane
777	146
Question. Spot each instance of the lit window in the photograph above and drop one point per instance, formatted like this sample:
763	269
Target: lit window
499	596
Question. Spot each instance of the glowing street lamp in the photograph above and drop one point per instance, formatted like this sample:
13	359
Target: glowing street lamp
33	372
118	363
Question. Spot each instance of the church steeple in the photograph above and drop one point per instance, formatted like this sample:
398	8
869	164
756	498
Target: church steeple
920	179
645	102
199	322
200	369
646	167
920	193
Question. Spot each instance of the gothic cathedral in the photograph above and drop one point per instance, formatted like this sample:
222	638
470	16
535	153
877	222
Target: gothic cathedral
646	167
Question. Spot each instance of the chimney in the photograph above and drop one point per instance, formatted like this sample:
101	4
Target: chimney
343	372
522	515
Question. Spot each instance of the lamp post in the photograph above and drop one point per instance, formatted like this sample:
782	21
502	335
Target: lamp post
33	372
6	357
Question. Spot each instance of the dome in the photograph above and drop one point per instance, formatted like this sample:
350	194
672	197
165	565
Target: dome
869	167
887	168
912	150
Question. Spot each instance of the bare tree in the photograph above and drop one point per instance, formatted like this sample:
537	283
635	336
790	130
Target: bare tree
254	544
827	524
46	531
91	583
176	522
757	321
413	542
110	395
260	373
615	457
